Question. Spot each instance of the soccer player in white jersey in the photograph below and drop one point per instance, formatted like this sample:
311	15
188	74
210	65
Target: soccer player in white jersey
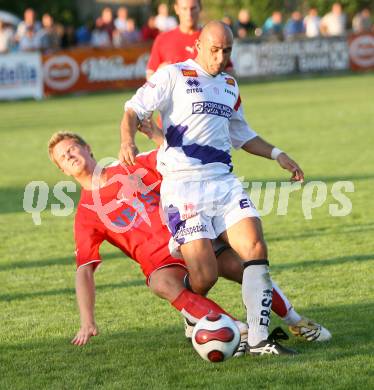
201	198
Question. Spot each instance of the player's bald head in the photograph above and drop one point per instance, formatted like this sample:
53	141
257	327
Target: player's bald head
214	47
216	30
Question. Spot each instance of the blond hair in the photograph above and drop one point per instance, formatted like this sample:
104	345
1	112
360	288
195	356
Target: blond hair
60	136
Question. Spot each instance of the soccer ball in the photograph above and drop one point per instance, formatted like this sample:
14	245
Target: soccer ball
216	337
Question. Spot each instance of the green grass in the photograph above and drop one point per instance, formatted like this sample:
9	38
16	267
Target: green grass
323	264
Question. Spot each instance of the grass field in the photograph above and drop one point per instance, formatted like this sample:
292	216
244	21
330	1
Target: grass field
324	264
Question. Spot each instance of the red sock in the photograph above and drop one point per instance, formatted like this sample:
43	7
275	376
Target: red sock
194	306
280	304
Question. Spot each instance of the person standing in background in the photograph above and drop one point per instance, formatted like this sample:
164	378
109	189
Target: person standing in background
334	23
163	21
312	23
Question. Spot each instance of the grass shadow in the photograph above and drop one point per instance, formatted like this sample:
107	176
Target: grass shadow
68	291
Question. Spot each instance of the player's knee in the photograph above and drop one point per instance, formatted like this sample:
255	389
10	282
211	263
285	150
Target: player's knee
254	249
165	288
160	289
202	283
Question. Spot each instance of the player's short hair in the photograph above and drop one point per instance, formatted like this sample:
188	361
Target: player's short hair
199	1
60	136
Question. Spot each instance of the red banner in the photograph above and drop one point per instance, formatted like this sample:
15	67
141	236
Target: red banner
89	69
361	51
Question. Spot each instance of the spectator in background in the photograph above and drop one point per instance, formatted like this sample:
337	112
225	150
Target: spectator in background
273	27
294	27
132	34
227	20
107	23
68	36
149	31
362	22
312	23
100	37
83	33
129	37
47	36
244	26
165	22
334	23
6	38
29	23
29	40
120	22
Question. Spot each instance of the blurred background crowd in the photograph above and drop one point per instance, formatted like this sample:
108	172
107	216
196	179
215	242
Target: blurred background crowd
117	27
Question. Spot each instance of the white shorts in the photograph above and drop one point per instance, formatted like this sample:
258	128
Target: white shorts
195	210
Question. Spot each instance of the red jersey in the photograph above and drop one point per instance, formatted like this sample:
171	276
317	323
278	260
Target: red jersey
174	46
171	47
125	213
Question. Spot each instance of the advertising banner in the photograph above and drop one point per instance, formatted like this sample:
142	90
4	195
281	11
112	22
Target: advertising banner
21	76
361	51
253	59
89	69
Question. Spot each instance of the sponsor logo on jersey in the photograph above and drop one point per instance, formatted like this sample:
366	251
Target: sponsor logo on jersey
212	108
230	81
246	203
189	73
190	49
194	85
230	92
188	231
189	211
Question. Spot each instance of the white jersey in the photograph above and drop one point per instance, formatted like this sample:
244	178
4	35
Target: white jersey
202	118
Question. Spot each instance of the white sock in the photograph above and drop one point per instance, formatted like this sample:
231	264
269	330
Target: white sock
292	317
257	295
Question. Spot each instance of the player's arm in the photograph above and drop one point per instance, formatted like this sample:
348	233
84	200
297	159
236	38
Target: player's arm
88	240
129	125
85	290
152	131
154	95
260	147
242	136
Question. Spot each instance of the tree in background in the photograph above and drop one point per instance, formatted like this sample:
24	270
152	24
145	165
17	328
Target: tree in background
63	11
261	9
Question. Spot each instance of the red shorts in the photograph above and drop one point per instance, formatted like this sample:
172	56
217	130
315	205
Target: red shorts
170	261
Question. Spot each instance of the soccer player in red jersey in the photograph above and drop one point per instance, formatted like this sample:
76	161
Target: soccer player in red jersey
121	205
178	44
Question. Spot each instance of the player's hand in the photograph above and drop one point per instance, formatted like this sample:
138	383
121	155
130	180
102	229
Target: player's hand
287	163
84	334
127	153
152	131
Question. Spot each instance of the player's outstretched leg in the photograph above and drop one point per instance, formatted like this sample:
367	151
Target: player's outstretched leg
299	326
230	266
169	283
246	238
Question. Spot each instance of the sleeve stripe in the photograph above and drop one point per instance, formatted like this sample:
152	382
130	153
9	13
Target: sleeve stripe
237	104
